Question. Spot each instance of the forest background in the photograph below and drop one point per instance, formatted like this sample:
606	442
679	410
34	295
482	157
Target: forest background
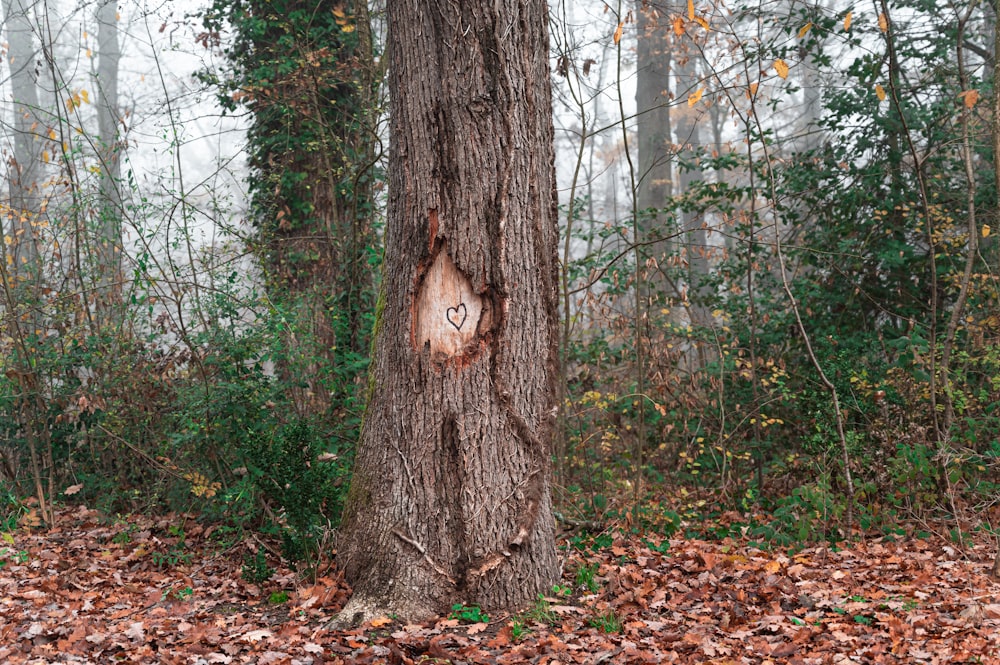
778	279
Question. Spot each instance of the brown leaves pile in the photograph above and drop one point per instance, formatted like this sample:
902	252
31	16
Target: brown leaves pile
78	594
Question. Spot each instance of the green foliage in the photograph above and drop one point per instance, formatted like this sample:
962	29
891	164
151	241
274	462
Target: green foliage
541	612
518	629
468	613
585	578
255	568
305	494
607	621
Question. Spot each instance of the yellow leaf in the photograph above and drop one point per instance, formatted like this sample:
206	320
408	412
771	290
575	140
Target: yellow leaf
618	33
986	230
694	97
805	29
45	156
883	22
772	567
85	95
753	90
678	26
781	67
347	29
90	53
880	92
702	22
690	10
970	97
52	134
847	21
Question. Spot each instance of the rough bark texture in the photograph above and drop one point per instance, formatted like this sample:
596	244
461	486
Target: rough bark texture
450	497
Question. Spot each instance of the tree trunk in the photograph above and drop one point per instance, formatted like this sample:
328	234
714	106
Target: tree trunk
25	165
310	76
109	233
449	502
654	59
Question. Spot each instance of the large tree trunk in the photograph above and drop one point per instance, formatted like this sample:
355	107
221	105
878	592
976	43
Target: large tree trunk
450	497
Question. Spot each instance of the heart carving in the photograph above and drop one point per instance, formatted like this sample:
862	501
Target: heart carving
457	315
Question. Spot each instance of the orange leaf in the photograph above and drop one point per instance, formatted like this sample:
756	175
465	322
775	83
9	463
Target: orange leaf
691	10
880	92
970	97
781	67
678	26
883	22
986	230
847	21
702	22
695	97
618	32
380	621
805	29
752	91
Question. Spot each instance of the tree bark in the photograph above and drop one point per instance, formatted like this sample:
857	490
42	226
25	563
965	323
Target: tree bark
25	165
449	502
654	61
109	230
310	76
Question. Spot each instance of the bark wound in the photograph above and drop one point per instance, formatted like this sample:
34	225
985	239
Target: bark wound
448	312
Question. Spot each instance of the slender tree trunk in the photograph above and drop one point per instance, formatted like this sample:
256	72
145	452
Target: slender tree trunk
109	231
25	165
654	60
450	496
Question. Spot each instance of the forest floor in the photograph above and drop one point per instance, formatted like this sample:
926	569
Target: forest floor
161	590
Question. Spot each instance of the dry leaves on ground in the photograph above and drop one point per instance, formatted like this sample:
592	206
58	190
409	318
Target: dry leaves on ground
80	592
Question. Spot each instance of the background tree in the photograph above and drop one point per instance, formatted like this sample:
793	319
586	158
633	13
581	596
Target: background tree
109	228
449	502
306	72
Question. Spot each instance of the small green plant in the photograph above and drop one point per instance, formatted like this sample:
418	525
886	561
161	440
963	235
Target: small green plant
561	590
277	598
910	604
518	629
255	568
9	555
178	594
862	619
541	612
468	613
586	578
607	622
176	554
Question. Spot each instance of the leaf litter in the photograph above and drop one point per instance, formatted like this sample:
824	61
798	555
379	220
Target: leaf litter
76	593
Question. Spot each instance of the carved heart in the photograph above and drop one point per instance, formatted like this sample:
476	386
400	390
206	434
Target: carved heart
456	315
